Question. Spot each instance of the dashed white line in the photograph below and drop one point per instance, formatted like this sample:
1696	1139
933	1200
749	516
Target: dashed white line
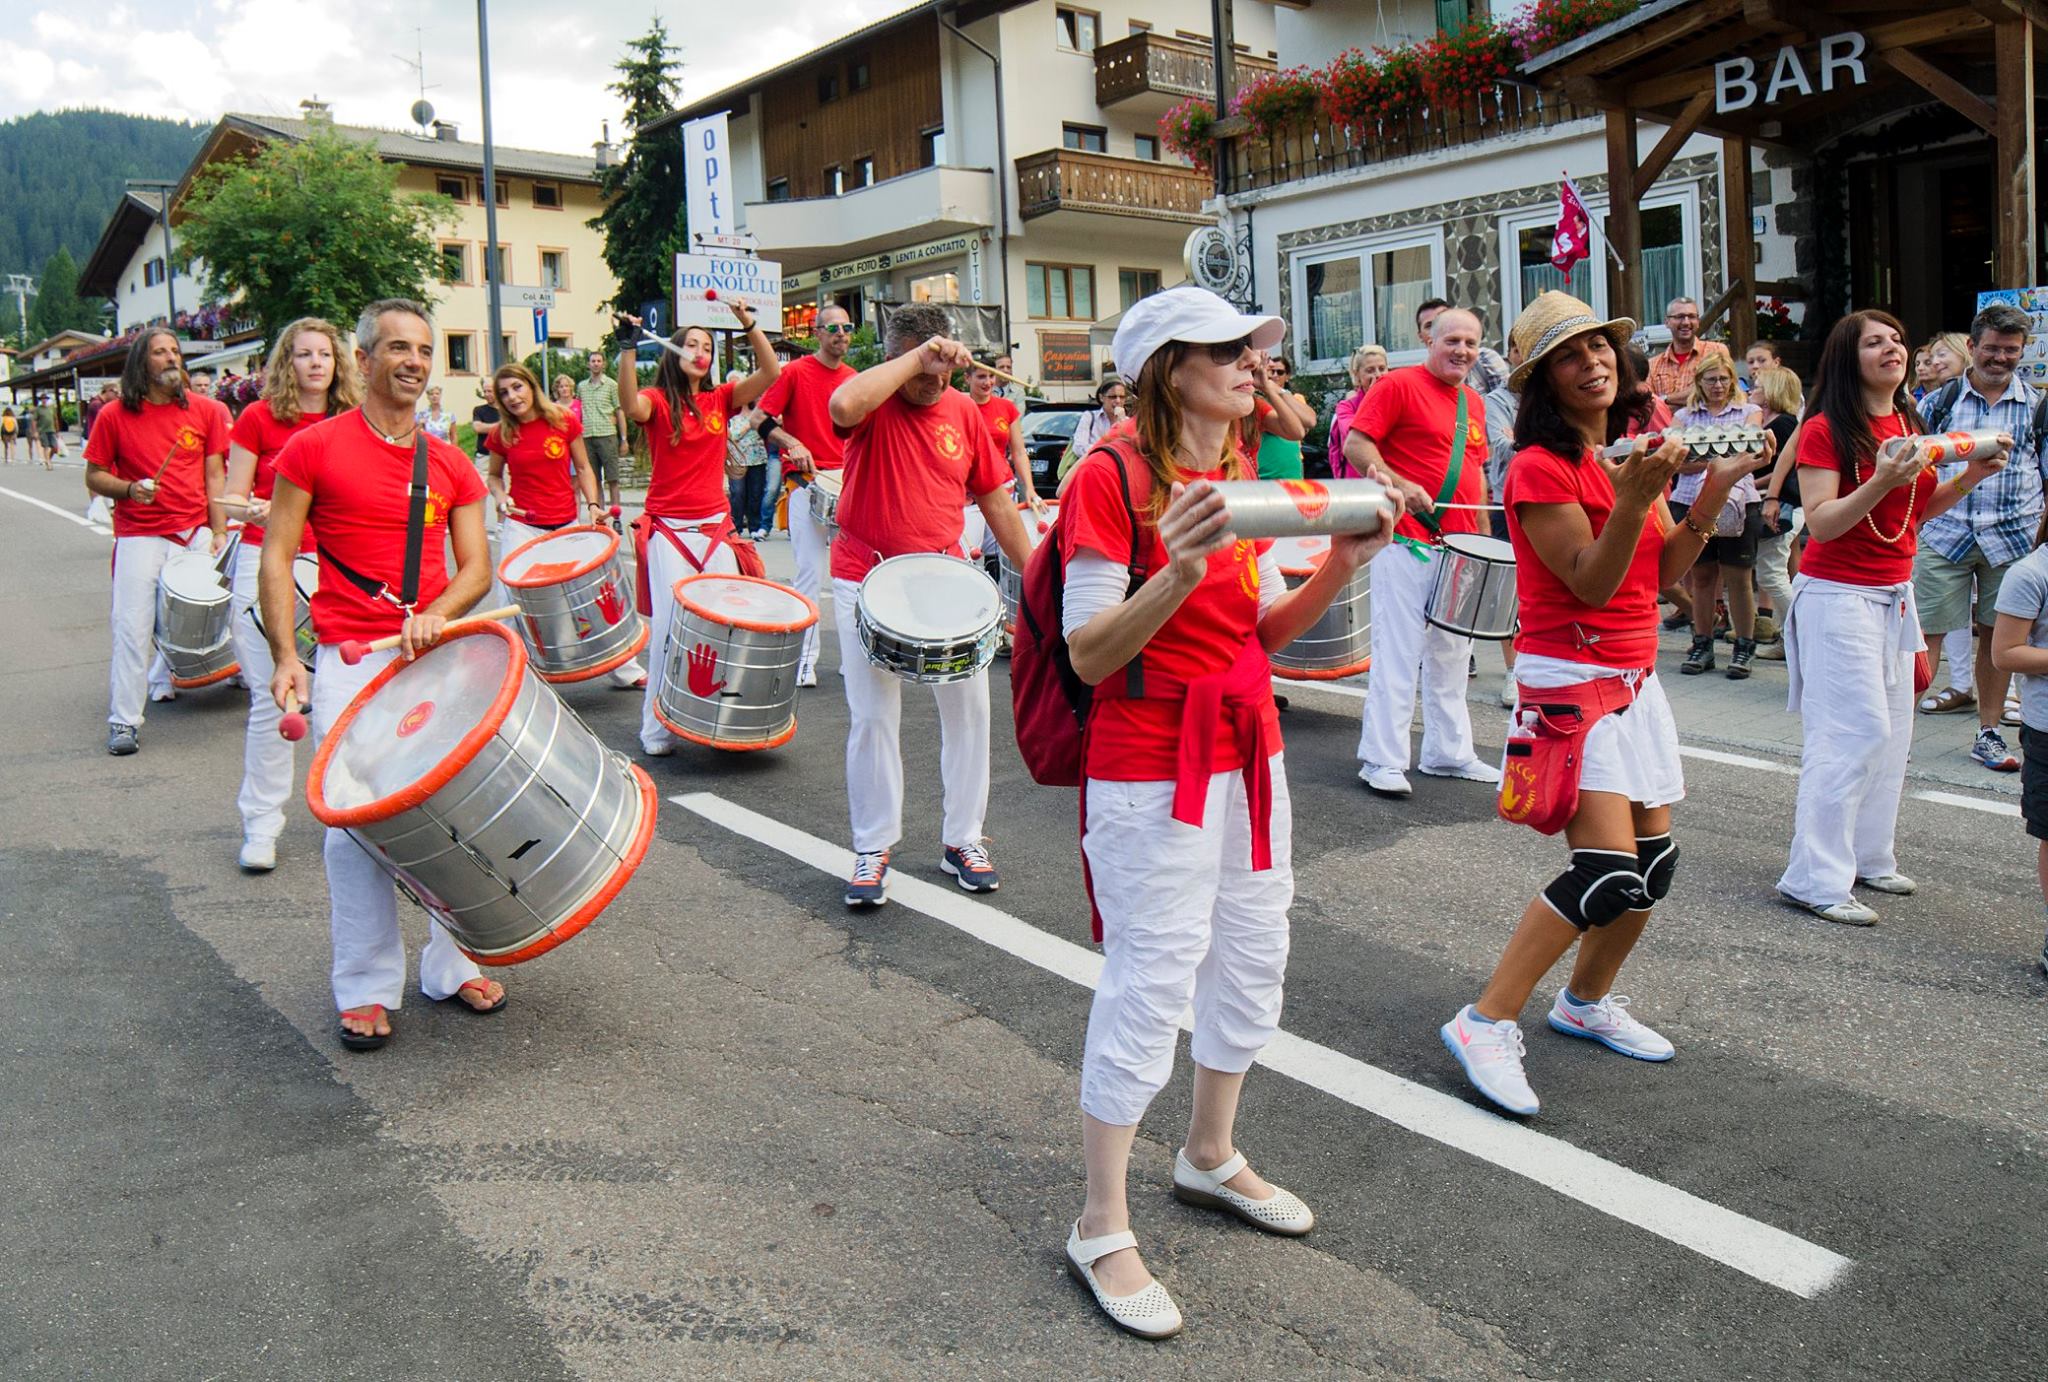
1756	1249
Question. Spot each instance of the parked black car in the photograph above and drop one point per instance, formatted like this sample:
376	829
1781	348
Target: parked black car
1048	427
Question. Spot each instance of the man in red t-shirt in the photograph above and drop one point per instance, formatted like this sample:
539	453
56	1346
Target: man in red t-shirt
914	447
351	477
1407	429
161	456
802	427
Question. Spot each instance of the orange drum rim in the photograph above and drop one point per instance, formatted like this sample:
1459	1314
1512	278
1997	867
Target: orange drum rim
1321	673
610	664
719	616
557	577
782	736
194	683
629	864
442	773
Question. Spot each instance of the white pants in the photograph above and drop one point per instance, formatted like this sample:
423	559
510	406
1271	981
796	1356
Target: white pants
266	754
813	550
137	671
1959	647
512	535
369	951
1632	753
874	757
1855	695
1183	915
1404	645
1773	567
666	566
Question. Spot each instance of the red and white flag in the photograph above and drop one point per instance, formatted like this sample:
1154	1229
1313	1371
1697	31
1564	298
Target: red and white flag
1572	241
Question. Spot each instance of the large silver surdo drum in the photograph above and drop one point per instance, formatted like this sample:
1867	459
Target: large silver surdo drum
471	783
575	603
1010	579
192	610
729	679
1339	644
928	618
1474	594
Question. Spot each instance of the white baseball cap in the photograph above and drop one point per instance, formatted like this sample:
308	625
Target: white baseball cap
1187	313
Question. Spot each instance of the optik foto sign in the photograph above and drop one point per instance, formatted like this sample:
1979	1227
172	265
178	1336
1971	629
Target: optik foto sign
1837	62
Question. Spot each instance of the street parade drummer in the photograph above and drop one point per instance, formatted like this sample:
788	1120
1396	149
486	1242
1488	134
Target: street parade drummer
1593	545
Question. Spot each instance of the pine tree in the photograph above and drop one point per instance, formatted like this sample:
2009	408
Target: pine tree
643	221
57	305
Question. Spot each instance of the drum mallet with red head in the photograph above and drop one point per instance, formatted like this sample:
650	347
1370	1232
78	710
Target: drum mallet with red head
353	651
292	724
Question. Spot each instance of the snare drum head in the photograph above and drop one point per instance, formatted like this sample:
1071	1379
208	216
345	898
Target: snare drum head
1036	529
929	597
1477	545
1300	556
306	574
193	576
558	557
830	481
746	602
400	734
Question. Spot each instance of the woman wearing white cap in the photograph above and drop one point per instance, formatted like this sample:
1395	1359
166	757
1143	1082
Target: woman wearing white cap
1593	545
1186	820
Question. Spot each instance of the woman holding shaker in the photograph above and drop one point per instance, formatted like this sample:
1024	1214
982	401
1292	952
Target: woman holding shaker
1186	823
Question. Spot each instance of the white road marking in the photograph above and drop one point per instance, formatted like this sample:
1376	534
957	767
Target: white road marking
1737	760
1756	1249
1996	808
61	513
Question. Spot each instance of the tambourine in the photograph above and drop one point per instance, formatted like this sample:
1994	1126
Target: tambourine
1701	443
1948	446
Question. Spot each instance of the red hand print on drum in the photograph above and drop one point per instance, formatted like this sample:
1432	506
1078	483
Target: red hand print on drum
609	603
1309	497
703	667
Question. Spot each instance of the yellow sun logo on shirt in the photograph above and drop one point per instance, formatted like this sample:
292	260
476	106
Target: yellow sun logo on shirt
1245	556
554	448
947	439
188	438
437	507
714	422
1475	434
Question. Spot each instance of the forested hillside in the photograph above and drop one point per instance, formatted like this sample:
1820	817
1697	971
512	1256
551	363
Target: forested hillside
61	175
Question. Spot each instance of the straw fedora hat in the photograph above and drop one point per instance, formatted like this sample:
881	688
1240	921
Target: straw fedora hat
1549	322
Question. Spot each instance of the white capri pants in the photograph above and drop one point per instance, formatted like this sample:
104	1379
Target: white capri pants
1632	753
267	756
812	546
369	951
666	566
137	672
1407	648
874	754
1183	916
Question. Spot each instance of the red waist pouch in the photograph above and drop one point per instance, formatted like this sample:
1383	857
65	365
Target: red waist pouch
1539	778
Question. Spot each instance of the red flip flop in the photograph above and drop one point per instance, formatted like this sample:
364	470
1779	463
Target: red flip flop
478	984
361	1041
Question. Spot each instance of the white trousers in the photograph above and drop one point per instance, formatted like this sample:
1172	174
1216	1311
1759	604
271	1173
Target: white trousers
666	566
813	550
137	672
266	754
1773	567
512	535
1405	646
1959	647
874	756
1855	697
1183	915
369	951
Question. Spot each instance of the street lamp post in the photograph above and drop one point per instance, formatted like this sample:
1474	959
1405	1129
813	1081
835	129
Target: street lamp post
492	271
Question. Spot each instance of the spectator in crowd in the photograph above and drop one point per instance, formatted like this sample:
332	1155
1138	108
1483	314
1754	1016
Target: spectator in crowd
435	420
1111	398
564	389
1671	369
746	469
50	424
603	429
107	394
9	425
32	428
202	382
1712	401
1368	363
482	418
1779	395
1948	355
1279	456
1759	358
1925	380
2019	647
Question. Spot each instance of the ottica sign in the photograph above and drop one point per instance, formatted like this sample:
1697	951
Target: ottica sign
1839	61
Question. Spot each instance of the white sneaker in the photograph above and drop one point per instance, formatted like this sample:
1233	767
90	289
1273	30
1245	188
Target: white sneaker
807	676
1388	782
1474	771
1849	912
1610	1023
1491	1053
1149	1314
1507	691
1897	884
259	856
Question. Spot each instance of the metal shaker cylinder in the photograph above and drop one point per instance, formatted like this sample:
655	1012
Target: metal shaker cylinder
1945	447
1296	508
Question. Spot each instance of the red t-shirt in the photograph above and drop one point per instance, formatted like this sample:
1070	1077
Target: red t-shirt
999	414
1556	623
799	400
1860	556
357	482
542	473
258	432
1410	415
907	469
135	445
689	476
1139	740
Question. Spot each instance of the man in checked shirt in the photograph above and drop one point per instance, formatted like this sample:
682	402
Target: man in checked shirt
1994	526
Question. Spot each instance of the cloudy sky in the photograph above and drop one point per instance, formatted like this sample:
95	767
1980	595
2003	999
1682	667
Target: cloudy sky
550	59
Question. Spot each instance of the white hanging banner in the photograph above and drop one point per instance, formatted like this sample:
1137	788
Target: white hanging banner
707	180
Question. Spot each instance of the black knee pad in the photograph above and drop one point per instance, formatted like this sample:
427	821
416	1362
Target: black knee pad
1657	862
1600	885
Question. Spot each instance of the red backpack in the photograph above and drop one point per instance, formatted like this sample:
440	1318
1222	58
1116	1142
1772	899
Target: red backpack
1049	701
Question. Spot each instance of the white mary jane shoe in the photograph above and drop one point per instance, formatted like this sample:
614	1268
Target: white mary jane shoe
1283	1214
1149	1314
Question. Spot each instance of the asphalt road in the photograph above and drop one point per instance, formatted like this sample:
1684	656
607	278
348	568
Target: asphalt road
734	1131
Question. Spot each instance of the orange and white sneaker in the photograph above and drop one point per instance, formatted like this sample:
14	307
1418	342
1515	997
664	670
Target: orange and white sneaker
970	866
869	885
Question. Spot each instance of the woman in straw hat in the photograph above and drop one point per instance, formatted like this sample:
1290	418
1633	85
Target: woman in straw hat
1593	544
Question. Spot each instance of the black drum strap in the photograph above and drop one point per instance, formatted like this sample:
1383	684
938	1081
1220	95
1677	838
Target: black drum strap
415	522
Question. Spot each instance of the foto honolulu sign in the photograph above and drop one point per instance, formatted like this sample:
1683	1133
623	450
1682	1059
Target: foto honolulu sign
1837	61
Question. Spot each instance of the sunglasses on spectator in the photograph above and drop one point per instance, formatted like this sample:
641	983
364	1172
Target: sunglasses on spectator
836	329
1227	352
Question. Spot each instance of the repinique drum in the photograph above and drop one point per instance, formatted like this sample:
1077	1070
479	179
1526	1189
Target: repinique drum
824	490
1474	595
1009	579
928	618
306	582
1340	643
575	603
192	611
729	681
473	785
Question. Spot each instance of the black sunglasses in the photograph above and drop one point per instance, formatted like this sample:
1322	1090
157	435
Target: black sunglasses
1225	352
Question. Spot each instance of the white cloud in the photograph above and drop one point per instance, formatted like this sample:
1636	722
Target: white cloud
26	77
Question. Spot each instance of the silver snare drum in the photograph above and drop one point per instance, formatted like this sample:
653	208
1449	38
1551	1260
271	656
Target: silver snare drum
305	585
1339	644
825	488
575	604
928	618
470	782
1474	595
729	679
192	613
1009	578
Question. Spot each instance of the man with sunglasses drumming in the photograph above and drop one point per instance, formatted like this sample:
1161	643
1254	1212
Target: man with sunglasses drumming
798	404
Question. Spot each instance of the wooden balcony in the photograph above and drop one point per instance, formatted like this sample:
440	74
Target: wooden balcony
1167	70
1069	180
1316	146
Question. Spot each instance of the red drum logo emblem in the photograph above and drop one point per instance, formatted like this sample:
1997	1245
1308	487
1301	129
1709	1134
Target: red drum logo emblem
1309	497
415	719
1517	790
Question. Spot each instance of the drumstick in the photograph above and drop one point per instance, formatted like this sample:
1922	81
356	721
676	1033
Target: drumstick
292	725
1006	378
352	651
738	310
